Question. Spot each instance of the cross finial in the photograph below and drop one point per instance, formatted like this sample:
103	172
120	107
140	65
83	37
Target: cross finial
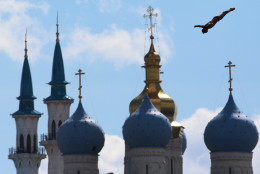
25	49
230	77
150	14
57	24
79	74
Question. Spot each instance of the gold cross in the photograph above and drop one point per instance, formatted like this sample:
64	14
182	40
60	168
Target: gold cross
150	14
79	74
230	78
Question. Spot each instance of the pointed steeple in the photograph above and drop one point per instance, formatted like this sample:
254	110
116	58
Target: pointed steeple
26	97
58	82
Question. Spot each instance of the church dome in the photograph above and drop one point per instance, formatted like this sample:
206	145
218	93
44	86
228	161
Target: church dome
80	134
147	127
162	101
231	130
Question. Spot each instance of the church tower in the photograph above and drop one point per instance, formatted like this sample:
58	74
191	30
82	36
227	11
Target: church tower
80	139
58	104
163	102
26	156
231	137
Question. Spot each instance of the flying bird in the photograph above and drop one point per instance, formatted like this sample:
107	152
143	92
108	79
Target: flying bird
213	22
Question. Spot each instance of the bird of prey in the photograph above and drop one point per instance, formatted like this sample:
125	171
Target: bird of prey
213	22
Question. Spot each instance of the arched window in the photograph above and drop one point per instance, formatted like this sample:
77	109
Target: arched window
78	172
146	169
28	143
21	146
53	130
34	144
230	172
60	122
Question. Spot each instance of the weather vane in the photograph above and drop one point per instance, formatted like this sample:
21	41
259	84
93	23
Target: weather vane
230	77
151	14
25	49
57	33
79	74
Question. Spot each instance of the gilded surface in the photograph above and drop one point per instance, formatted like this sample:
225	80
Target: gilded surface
163	102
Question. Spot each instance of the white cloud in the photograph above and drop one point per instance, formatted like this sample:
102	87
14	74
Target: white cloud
14	18
114	45
112	155
196	157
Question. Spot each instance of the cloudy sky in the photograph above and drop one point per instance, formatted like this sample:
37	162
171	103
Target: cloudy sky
107	40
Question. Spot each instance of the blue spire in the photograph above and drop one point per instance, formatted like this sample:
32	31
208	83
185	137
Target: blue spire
26	97
58	82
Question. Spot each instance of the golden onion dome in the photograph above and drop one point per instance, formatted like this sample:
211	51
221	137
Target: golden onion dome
163	102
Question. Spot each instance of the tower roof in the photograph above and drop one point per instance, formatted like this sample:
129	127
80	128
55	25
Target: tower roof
80	134
162	101
231	130
58	82
26	105
147	127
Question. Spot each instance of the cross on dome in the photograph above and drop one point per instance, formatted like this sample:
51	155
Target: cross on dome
150	15
230	77
79	74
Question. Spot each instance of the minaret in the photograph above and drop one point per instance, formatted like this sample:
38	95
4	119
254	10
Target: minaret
58	104
231	137
26	156
164	103
80	139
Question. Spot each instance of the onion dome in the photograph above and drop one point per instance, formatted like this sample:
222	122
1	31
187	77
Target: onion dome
26	105
231	130
162	101
147	127
58	82
80	134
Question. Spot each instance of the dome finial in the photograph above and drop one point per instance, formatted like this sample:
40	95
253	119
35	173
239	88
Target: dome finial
79	74
57	24
25	49
150	14
230	77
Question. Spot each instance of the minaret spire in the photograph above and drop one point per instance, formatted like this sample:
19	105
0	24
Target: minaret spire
25	49
57	24
150	15
80	86
230	77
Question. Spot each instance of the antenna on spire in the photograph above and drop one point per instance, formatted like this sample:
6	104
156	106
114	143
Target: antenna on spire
230	78
57	24
150	14
79	74
25	49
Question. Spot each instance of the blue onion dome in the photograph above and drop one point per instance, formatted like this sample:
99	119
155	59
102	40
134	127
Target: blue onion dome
231	130
147	127
184	142
79	134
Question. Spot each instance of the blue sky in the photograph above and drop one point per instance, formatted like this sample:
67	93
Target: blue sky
107	40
